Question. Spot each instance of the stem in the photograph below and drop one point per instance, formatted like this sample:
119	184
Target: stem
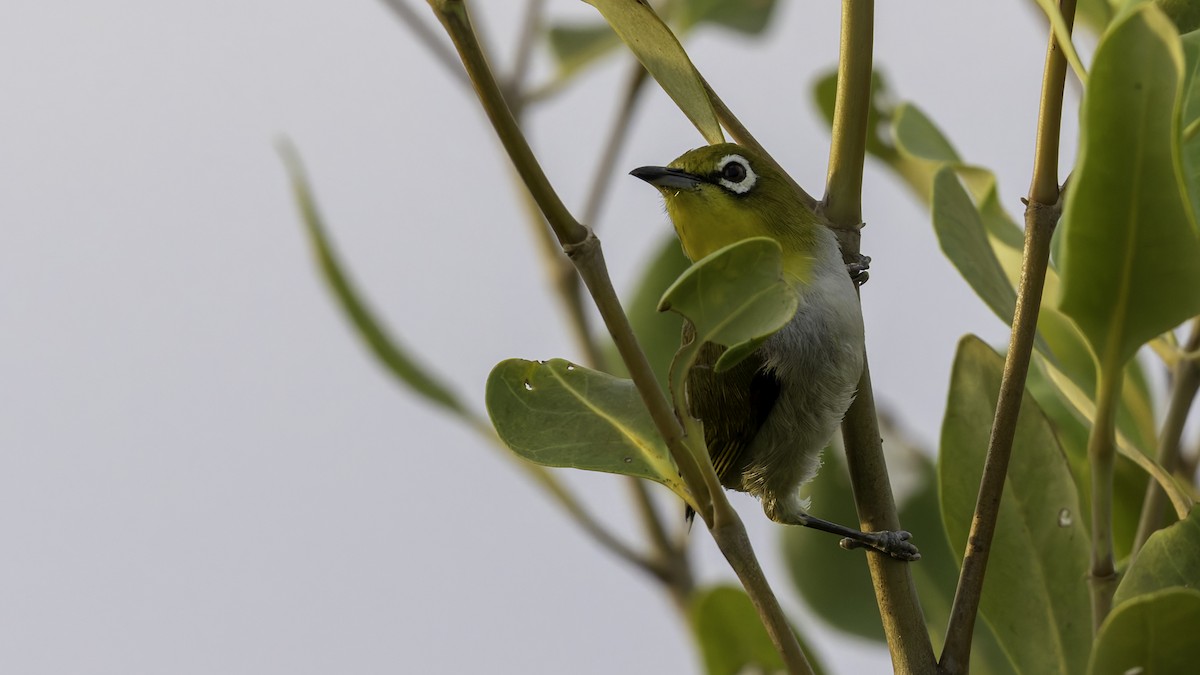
617	134
442	54
1101	447
1043	189
1187	382
1040	220
525	42
583	248
731	538
1043	208
453	15
895	591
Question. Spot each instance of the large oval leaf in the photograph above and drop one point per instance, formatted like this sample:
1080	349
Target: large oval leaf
663	57
556	413
1034	597
1151	634
736	297
1130	252
731	634
1170	557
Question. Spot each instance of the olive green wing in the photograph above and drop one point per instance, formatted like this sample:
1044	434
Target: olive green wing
733	405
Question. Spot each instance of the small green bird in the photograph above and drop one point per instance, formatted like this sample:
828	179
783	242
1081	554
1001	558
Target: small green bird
767	419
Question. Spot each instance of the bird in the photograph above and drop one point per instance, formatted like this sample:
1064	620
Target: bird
767	419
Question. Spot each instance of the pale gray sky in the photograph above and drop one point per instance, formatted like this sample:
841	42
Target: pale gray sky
201	470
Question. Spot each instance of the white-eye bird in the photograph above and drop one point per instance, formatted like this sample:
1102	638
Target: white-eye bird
767	419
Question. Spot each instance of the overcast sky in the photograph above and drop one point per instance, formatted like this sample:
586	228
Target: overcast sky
202	470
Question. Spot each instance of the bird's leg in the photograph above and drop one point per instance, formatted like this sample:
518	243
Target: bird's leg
858	269
893	543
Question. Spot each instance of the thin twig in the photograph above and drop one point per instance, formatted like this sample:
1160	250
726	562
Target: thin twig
1043	208
1183	393
895	591
441	53
526	40
618	132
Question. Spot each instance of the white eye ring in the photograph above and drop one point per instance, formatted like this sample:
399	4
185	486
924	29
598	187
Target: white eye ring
745	184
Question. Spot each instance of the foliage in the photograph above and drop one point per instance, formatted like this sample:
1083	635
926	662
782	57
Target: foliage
1125	274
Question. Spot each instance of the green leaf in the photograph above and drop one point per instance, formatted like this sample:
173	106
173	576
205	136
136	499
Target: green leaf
555	413
824	94
745	16
663	57
963	238
731	635
1035	598
1170	557
1185	14
1190	121
406	368
1129	481
657	332
918	137
736	297
574	46
1127	227
1150	634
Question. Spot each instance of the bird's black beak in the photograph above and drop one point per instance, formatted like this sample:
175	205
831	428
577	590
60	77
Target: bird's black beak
667	178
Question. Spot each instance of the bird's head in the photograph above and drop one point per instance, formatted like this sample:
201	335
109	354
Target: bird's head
717	195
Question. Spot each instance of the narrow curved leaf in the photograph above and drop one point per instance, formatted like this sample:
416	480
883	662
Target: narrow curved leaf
918	137
731	634
1127	225
664	58
1170	557
1034	596
736	297
556	413
405	367
745	16
574	46
963	238
1150	634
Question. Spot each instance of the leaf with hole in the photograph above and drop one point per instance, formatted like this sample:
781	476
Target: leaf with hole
1034	598
1153	633
555	413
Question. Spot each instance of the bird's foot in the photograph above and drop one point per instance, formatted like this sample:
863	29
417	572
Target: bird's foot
858	269
894	543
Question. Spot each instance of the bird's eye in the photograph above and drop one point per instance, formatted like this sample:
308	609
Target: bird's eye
734	174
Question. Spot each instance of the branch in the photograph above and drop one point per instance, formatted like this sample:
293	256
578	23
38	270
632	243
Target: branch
895	592
1042	211
440	52
583	248
1187	382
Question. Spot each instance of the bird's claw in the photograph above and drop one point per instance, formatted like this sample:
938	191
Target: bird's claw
894	543
858	269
